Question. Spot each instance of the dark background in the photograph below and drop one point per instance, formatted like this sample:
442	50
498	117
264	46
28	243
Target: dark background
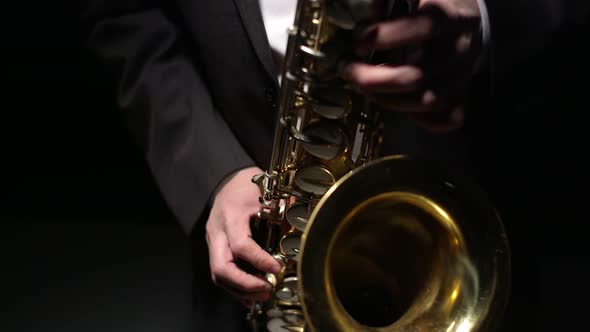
88	244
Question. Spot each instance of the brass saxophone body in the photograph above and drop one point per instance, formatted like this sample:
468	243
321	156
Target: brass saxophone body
365	243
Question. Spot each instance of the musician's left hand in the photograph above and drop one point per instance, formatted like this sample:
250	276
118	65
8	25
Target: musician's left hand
431	89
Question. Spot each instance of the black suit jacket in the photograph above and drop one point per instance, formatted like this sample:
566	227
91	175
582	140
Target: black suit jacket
197	83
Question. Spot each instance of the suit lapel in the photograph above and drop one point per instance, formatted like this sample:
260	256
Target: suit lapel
252	19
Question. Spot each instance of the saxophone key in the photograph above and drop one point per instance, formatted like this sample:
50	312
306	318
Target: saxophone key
315	180
298	216
288	290
327	140
290	245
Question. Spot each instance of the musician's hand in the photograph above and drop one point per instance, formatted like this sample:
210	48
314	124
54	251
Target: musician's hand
229	239
431	88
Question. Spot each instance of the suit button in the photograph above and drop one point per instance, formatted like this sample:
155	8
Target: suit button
269	92
270	96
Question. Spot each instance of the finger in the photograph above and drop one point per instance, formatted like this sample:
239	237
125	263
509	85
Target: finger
463	13
243	246
247	303
396	33
246	296
247	249
419	102
225	272
434	123
383	78
258	296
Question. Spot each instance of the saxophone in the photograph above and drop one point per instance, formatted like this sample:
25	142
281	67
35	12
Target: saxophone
365	243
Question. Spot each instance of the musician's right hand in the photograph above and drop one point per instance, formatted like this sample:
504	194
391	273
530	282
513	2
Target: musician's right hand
229	239
433	87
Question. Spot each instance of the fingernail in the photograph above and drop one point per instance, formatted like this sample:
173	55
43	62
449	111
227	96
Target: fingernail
365	42
276	269
368	36
428	98
345	70
457	116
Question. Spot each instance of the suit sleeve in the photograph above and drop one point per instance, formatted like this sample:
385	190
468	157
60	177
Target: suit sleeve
187	144
521	28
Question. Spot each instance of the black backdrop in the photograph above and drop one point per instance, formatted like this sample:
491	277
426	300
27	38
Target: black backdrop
64	145
86	241
88	244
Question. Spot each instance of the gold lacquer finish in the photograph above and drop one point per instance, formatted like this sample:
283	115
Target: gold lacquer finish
365	244
398	246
